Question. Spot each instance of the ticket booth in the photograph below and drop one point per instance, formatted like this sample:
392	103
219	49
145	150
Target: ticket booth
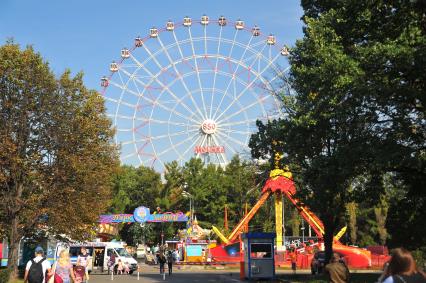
259	255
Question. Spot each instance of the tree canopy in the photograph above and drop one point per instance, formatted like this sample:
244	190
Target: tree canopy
358	108
56	155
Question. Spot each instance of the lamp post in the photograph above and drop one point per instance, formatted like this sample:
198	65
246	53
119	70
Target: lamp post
188	195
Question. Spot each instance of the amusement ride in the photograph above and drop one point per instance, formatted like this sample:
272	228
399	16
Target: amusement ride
194	88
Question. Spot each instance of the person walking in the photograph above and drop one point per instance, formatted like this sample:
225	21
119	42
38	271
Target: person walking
83	260
337	270
170	260
36	268
402	269
63	267
111	262
162	261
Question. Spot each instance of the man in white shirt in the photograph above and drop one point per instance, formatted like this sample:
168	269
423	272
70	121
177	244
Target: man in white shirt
40	266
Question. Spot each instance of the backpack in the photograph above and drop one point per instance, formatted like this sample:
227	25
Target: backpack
35	274
170	257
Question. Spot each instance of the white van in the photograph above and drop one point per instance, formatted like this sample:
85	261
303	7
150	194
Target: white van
100	253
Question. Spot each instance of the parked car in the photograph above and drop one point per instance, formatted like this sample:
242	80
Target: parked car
318	262
141	252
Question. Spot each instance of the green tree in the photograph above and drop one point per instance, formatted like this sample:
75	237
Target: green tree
240	188
359	105
134	187
55	151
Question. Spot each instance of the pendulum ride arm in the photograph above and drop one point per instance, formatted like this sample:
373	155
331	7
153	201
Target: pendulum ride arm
236	232
221	236
308	215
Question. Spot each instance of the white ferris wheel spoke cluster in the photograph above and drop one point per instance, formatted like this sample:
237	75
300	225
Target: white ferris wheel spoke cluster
194	88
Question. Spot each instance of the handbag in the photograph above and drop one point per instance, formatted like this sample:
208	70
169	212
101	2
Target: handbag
55	278
58	279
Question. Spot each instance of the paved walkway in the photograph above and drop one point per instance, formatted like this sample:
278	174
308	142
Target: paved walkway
152	275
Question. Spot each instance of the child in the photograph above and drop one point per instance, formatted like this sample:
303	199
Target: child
120	267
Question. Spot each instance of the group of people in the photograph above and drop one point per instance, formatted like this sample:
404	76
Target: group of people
400	269
169	257
39	267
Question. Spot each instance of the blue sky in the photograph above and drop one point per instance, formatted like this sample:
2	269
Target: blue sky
87	35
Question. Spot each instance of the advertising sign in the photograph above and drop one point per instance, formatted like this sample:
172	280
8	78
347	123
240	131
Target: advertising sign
142	215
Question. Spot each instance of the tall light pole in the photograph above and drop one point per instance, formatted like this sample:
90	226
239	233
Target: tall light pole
188	195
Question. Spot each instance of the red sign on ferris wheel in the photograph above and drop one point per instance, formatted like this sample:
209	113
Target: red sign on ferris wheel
209	149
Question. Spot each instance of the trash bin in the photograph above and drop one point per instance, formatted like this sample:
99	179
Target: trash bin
259	262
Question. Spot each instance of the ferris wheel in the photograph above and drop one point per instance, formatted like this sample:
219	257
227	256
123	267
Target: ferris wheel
194	89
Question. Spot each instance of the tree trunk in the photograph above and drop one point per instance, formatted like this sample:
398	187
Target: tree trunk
351	209
381	214
329	228
12	263
295	223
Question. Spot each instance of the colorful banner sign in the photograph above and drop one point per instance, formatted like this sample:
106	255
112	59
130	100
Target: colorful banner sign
116	218
142	215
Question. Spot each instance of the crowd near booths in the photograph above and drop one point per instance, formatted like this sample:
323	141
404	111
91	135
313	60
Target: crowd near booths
101	253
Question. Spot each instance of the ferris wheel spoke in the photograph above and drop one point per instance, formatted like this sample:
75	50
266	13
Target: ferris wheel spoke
159	137
217	140
151	56
235	71
233	43
155	77
245	108
118	102
280	74
235	131
202	137
242	122
131	118
198	73
205	39
215	71
257	77
157	121
124	129
128	156
154	102
201	144
179	75
174	146
227	137
131	76
221	157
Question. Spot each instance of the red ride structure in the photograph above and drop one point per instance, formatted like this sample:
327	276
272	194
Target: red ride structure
279	184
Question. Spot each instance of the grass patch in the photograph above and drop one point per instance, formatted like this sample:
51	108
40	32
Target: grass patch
355	278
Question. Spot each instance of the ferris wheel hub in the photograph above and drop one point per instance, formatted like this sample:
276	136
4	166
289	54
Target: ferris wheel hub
208	127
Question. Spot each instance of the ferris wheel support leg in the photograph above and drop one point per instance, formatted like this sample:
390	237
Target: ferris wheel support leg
279	220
